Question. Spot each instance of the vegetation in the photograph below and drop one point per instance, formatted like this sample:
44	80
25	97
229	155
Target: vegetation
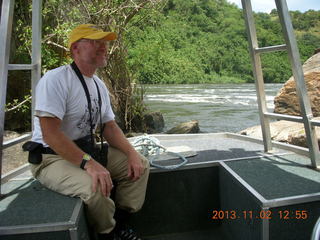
160	41
205	41
57	23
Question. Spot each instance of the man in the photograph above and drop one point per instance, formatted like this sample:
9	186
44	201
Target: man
63	115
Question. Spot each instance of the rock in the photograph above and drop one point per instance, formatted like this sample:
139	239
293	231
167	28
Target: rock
283	131
286	101
151	122
298	137
186	127
313	63
154	122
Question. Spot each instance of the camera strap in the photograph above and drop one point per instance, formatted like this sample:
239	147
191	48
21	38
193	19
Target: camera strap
84	85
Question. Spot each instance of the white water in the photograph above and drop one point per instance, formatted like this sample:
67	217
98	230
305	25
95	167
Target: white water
217	107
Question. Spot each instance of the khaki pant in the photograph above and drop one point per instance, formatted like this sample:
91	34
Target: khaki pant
66	178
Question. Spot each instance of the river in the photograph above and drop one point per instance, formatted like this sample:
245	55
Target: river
217	107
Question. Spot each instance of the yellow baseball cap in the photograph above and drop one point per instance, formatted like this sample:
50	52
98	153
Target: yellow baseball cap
89	31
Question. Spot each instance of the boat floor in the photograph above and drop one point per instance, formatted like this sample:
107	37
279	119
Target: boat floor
217	147
214	234
273	179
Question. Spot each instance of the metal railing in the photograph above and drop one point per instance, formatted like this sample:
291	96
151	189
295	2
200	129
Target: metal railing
7	11
292	48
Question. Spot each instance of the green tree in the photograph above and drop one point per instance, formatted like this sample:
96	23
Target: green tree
59	16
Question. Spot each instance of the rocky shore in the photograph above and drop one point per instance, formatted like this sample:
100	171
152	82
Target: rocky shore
282	131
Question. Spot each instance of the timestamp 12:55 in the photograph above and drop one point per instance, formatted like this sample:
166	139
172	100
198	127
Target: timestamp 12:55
262	214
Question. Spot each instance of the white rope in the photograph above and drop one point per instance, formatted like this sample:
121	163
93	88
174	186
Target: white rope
150	147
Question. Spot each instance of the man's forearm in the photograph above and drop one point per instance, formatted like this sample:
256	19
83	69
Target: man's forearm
115	137
59	142
66	148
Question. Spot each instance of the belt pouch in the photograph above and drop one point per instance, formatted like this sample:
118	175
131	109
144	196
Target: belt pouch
35	151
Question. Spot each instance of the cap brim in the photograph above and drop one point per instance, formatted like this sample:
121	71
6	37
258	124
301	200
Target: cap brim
109	36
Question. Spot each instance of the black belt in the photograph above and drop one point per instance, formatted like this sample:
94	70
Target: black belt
47	150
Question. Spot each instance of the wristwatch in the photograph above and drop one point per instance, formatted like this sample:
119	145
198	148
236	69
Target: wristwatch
85	158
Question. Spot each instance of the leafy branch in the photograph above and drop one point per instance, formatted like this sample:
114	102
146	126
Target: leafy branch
16	106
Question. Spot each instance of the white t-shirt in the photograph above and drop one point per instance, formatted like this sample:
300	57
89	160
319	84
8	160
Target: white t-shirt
60	93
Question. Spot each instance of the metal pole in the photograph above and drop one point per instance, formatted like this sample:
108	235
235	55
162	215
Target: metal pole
5	30
257	72
36	49
298	75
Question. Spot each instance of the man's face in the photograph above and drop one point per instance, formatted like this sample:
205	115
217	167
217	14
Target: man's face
92	52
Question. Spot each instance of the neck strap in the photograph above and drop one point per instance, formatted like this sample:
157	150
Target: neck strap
84	85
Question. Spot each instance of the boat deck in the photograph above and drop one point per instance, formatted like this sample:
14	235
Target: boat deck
213	148
229	174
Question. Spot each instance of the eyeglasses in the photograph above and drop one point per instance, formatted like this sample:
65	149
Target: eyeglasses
96	43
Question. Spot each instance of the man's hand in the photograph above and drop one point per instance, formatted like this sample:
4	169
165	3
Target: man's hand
115	137
135	167
99	175
61	144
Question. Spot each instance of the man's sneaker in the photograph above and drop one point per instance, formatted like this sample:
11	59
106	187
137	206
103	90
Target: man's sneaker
127	234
